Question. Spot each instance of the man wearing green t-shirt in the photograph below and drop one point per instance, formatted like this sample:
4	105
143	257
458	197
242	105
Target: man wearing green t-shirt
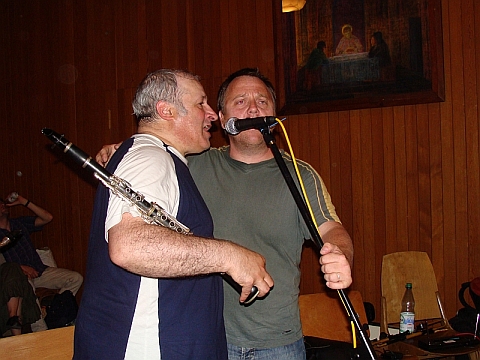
250	202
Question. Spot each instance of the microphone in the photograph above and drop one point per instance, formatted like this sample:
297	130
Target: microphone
233	126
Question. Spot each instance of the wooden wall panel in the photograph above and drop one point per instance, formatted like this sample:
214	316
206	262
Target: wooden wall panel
402	178
458	147
472	132
361	252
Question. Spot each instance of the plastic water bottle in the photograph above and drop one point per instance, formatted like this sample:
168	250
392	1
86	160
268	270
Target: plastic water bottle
407	316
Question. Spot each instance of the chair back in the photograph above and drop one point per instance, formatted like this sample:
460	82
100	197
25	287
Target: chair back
409	267
324	316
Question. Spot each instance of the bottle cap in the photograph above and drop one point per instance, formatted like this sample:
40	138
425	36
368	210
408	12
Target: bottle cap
408	285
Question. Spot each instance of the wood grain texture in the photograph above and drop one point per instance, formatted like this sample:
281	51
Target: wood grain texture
401	178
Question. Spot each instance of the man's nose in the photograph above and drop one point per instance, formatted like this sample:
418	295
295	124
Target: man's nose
211	115
253	109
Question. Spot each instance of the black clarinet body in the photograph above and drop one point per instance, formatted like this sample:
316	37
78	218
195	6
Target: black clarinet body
150	211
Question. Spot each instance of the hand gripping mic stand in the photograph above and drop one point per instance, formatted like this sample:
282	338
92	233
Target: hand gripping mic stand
270	141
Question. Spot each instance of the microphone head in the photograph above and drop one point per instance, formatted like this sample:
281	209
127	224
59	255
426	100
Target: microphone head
230	126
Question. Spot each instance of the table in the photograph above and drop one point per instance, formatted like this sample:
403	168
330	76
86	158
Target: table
350	68
55	344
410	348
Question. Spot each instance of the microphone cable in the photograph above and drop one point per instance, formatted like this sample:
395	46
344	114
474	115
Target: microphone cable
307	201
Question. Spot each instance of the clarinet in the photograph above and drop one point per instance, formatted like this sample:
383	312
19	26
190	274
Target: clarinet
151	212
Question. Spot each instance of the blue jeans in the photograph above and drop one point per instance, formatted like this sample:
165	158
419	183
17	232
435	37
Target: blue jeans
294	351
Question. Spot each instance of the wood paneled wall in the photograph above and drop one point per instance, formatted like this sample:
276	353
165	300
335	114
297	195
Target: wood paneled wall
402	178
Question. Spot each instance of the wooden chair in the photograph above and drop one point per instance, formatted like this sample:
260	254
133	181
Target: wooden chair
323	315
414	267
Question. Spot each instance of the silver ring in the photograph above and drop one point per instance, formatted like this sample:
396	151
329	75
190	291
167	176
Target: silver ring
338	276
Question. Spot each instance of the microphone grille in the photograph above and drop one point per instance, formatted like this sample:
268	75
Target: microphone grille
230	126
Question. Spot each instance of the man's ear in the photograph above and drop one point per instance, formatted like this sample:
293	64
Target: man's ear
222	119
165	110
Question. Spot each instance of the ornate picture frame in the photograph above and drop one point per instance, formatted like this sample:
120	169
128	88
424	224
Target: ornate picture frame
335	55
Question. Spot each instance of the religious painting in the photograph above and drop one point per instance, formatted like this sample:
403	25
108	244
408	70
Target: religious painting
352	54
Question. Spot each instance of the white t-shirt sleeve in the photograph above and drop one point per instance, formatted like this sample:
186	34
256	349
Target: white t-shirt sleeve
150	170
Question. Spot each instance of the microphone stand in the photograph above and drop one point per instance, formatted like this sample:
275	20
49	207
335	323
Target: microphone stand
271	143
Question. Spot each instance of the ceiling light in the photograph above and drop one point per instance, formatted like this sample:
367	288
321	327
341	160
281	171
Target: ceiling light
292	5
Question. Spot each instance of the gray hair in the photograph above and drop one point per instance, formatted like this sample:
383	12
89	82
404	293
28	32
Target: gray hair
160	85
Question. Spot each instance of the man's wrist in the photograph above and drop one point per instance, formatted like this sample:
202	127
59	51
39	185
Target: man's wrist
26	204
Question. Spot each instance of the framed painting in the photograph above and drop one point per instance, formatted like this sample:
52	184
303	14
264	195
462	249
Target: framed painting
337	55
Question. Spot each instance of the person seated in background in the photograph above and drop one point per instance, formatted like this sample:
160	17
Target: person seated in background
18	305
379	49
317	57
22	251
349	43
312	70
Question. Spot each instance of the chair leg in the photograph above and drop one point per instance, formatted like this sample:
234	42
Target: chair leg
442	312
383	320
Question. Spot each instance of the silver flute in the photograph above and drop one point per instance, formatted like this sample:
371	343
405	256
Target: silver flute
151	212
